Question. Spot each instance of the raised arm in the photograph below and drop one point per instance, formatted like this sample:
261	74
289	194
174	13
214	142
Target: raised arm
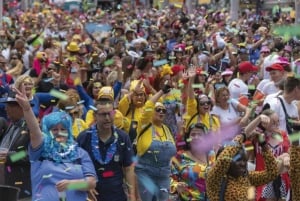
191	74
253	124
36	137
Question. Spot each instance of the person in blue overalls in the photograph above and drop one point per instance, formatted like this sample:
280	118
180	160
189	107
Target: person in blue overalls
155	148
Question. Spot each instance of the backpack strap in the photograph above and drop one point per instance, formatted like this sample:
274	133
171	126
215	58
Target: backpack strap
143	131
288	128
191	119
283	107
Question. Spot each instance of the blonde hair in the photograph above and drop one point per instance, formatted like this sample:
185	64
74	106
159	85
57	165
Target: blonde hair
219	92
112	77
73	99
21	79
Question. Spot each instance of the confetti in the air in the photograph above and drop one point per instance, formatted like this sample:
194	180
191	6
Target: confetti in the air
18	156
77	186
58	94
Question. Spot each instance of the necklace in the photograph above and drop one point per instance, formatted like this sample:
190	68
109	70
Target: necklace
96	151
158	135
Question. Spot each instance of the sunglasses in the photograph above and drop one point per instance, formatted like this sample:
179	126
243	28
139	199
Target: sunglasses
202	103
161	110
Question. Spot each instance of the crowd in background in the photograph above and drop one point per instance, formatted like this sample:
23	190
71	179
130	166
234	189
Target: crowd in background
156	104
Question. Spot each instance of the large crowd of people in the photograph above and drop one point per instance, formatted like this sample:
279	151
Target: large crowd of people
149	104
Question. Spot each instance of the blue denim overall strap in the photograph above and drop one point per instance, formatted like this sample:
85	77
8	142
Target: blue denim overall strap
159	153
153	169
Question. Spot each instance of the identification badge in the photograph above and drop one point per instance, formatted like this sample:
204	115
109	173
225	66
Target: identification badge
116	158
107	174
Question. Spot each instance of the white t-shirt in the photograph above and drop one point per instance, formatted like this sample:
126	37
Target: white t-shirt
271	96
229	116
237	87
26	59
291	110
269	88
261	84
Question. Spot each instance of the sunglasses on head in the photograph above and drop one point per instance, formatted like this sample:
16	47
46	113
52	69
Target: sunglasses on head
161	110
202	103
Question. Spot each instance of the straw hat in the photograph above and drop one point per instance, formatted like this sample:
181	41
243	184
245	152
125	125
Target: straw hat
73	47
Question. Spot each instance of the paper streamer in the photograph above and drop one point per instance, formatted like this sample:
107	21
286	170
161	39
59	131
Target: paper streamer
93	107
108	62
158	63
197	86
77	185
251	87
148	184
293	30
58	94
47	176
294	137
18	156
277	136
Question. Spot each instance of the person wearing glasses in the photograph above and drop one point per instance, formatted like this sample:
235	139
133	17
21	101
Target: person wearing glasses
155	148
131	106
198	109
193	160
111	152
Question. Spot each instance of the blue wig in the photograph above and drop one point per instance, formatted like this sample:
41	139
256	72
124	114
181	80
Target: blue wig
54	150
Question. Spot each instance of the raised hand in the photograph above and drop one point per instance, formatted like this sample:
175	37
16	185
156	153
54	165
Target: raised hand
166	88
192	72
265	120
22	98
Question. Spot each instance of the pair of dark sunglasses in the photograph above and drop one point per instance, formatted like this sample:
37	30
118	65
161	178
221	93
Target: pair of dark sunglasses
161	110
202	103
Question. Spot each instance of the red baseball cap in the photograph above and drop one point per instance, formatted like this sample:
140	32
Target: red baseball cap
246	67
275	67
